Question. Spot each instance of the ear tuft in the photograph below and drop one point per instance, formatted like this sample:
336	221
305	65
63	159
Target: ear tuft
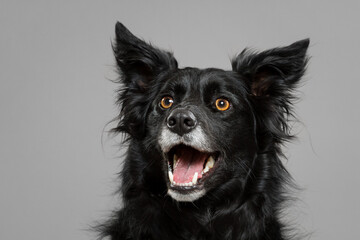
272	76
139	62
139	65
274	71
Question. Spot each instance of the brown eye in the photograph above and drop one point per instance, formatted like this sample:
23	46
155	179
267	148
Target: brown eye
166	102
222	104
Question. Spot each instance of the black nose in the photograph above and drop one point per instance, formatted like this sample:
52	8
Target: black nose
181	121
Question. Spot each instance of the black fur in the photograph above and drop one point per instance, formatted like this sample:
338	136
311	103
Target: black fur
245	192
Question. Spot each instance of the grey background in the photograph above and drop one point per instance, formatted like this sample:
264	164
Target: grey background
57	174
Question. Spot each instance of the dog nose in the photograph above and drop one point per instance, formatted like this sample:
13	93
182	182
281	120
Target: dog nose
181	121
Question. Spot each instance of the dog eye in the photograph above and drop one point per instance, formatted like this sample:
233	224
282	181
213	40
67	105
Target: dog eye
222	104
166	102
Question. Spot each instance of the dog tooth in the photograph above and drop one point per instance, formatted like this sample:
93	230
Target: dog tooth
171	177
169	167
206	169
194	180
210	162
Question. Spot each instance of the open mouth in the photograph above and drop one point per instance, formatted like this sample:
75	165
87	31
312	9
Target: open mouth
189	167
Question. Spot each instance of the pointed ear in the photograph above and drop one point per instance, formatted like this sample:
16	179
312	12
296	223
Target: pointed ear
274	72
139	65
138	61
272	76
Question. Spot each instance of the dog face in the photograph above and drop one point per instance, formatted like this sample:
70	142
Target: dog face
204	128
201	131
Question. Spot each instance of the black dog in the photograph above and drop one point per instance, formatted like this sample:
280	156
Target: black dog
203	160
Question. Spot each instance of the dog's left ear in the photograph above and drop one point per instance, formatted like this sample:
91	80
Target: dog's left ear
273	72
272	76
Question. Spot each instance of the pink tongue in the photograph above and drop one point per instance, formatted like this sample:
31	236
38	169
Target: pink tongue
189	162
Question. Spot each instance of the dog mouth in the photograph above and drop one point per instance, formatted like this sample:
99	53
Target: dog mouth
188	167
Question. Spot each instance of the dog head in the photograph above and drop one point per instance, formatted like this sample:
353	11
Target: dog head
204	129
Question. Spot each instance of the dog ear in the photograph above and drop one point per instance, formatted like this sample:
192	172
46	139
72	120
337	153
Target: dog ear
272	76
139	65
273	72
138	61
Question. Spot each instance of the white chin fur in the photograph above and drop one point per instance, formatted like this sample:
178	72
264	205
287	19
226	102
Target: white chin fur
190	197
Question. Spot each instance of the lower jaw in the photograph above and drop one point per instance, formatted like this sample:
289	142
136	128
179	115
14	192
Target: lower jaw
190	196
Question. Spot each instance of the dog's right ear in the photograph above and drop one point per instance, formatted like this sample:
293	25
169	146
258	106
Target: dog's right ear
139	65
138	61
